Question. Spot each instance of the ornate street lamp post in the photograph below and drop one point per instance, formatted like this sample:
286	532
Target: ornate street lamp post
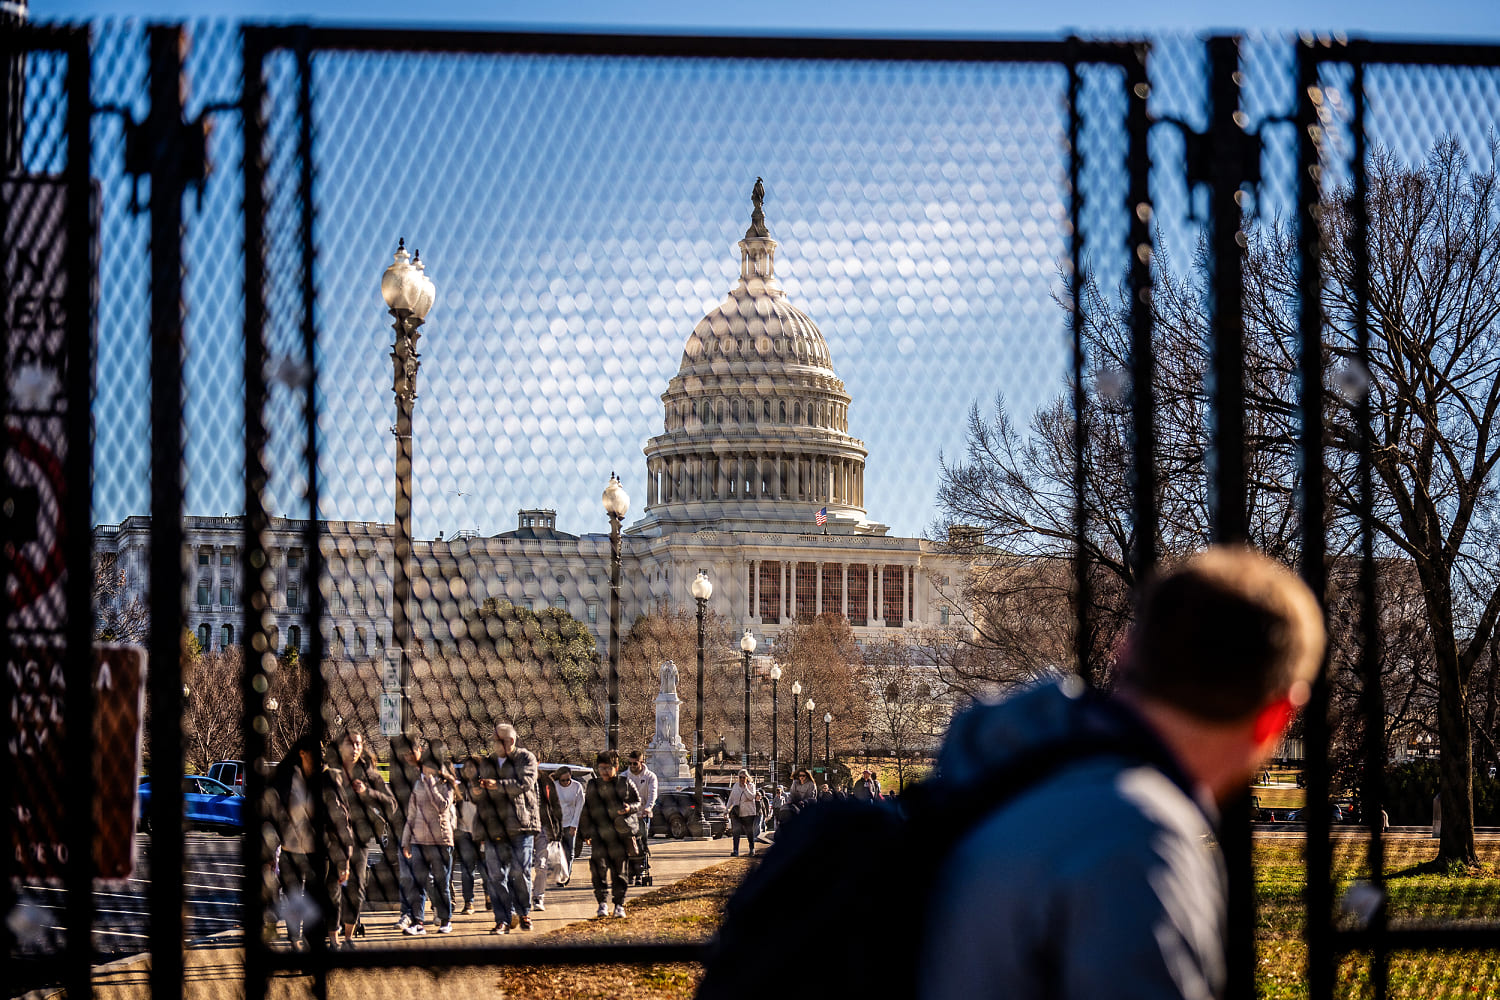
703	589
796	726
810	758
775	721
408	294
747	646
616	505
827	757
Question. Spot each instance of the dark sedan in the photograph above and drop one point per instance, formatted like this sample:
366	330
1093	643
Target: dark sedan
205	803
676	816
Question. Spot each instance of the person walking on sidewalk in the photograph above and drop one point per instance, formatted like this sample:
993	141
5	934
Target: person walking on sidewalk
644	780
468	848
509	816
551	833
427	842
406	755
744	813
610	822
315	840
371	808
570	797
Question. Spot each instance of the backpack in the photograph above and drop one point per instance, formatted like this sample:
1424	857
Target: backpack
840	875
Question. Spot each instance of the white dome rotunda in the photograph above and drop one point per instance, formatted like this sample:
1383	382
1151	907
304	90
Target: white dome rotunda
755	431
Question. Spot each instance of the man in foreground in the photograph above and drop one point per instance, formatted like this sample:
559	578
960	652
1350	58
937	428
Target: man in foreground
1104	878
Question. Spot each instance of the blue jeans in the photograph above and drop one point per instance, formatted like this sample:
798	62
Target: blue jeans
435	862
509	865
416	910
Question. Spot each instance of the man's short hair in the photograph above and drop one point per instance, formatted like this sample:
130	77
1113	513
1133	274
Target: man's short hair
504	730
610	757
1223	634
563	772
635	755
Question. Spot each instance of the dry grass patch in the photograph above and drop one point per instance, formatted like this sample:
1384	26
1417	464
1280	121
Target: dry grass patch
687	910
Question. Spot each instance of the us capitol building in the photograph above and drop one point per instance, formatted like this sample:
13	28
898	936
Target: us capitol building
754	442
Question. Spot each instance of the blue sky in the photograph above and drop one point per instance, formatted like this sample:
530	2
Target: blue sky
578	216
1457	19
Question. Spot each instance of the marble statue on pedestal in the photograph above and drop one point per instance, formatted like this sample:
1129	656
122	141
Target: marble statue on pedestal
667	755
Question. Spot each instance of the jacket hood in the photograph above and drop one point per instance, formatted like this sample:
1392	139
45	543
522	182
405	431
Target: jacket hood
1047	718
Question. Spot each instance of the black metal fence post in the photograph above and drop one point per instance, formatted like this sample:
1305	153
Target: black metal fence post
165	138
1319	890
1227	170
75	537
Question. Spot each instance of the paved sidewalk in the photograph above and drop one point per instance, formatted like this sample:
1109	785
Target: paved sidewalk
215	972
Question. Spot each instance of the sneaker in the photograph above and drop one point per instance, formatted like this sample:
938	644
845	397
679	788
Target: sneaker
468	909
500	929
416	930
446	928
348	944
403	923
540	905
525	923
515	921
734	853
619	910
563	882
603	910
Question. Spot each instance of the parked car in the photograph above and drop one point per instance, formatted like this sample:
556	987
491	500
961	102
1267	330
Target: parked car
1335	814
676	815
206	803
229	772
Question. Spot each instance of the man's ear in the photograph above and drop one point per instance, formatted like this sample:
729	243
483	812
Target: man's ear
1271	721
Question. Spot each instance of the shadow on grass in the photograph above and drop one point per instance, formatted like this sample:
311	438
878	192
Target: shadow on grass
1446	868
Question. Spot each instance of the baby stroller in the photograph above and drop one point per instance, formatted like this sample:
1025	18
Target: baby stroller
638	862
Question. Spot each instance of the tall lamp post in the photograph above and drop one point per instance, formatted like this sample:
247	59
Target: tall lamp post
796	727
827	723
616	505
408	294
775	735
703	589
747	646
810	755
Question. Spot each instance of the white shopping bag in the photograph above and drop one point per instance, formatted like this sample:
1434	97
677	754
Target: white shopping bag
559	870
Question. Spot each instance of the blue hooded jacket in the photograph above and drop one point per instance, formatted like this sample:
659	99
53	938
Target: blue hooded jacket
1103	879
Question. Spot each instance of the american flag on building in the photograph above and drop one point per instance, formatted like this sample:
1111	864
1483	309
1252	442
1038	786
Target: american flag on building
823	516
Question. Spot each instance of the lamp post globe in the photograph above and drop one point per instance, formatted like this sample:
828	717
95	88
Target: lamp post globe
702	589
408	294
775	726
747	646
616	505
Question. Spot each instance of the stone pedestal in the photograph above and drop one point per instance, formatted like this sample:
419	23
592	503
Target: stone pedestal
667	755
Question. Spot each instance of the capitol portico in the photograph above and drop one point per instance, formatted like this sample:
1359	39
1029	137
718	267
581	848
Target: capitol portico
755	441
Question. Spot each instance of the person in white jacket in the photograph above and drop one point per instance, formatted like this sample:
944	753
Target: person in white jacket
570	797
644	780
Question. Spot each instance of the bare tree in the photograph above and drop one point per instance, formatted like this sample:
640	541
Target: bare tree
1434	392
212	715
908	713
118	617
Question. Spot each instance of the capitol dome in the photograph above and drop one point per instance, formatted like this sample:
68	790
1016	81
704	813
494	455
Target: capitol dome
755	422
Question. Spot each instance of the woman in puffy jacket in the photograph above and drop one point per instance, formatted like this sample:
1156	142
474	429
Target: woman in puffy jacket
744	812
427	841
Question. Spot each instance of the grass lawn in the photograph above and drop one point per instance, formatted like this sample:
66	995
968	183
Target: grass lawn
1279	796
1414	892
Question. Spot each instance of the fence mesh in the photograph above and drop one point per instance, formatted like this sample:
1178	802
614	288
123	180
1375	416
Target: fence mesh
815	316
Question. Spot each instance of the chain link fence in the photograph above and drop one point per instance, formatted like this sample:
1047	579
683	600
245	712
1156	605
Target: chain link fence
905	361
